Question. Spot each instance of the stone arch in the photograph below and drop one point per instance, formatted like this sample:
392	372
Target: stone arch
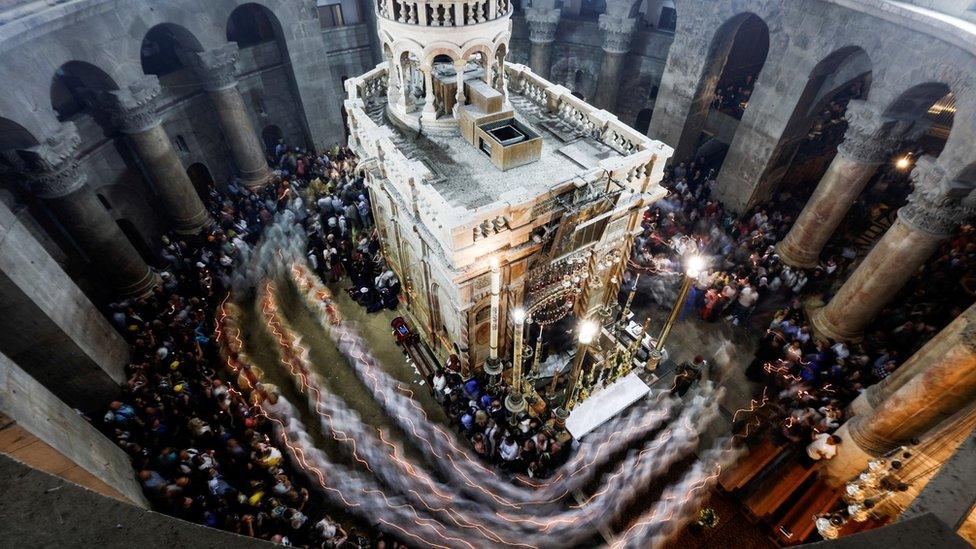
440	48
251	24
15	140
162	48
13	136
926	107
842	75
75	88
201	178
643	121
726	45
271	135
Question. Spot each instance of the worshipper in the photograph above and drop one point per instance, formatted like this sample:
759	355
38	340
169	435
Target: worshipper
687	374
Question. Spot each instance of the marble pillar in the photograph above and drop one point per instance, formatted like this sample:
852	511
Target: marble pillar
73	202
459	67
934	392
134	110
867	144
430	110
217	70
922	225
617	33
542	33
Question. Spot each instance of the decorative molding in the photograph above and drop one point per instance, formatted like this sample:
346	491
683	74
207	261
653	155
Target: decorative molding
931	207
133	108
216	68
542	24
617	32
55	172
870	138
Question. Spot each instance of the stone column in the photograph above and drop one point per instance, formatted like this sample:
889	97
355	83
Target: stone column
134	110
945	385
542	33
73	202
867	144
922	225
217	70
430	110
459	92
617	32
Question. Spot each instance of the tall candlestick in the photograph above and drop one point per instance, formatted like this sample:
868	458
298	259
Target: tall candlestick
519	317
496	287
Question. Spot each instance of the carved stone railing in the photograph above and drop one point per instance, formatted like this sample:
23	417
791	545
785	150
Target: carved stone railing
642	156
368	85
456	228
444	13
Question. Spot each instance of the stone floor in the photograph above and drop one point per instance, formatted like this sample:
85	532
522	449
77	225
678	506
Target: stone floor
689	338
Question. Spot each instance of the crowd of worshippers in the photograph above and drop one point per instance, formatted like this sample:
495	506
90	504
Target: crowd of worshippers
732	97
519	445
809	380
342	238
201	452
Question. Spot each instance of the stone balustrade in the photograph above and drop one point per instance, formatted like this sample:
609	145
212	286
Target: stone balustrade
369	84
447	13
456	227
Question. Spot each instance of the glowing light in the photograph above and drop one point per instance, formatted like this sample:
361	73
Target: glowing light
587	331
694	265
903	163
518	315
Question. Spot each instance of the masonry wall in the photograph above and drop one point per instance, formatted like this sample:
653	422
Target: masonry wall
51	436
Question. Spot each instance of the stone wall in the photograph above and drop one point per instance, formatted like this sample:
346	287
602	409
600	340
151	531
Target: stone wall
65	436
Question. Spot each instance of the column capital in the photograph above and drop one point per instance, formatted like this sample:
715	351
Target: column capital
217	67
935	207
133	108
542	24
54	170
617	32
870	137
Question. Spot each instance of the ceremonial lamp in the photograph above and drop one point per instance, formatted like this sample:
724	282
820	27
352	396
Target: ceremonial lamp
493	367
693	267
515	402
587	332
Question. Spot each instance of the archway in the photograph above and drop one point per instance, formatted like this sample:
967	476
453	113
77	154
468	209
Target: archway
75	87
817	125
733	64
202	181
163	49
271	135
643	122
250	25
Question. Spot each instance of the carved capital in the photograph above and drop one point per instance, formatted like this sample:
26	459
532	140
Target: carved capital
133	108
216	68
617	32
870	138
542	24
54	168
936	206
